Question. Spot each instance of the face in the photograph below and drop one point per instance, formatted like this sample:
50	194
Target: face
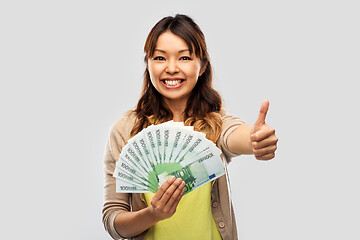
173	70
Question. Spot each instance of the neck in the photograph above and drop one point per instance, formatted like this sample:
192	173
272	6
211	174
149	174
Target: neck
177	108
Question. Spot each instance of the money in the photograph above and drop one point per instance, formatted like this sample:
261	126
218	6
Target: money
168	149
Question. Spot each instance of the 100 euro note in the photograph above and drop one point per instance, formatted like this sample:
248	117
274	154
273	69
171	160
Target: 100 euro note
132	168
196	173
165	150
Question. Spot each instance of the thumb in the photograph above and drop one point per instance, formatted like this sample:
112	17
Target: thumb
262	115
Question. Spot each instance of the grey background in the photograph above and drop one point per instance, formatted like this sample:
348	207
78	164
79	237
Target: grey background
69	69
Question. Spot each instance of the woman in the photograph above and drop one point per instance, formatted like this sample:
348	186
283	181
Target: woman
178	87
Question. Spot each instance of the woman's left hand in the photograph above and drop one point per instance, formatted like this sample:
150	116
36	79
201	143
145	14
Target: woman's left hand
262	136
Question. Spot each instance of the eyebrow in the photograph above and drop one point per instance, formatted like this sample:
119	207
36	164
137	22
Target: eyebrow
183	50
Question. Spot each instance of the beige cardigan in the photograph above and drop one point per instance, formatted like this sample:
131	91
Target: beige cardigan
115	203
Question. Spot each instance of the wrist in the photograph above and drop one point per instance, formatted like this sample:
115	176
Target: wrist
153	214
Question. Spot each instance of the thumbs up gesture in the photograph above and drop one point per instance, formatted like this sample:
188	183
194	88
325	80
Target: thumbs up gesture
262	136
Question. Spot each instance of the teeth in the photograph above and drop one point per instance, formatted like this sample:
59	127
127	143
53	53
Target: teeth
172	82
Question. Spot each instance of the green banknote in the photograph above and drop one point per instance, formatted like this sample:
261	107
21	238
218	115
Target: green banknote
164	150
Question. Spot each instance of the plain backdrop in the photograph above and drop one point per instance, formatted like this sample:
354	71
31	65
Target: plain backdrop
69	69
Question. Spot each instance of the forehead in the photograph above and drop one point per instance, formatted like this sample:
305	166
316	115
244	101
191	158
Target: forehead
170	42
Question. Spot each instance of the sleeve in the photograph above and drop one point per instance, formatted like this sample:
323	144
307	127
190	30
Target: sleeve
229	124
114	202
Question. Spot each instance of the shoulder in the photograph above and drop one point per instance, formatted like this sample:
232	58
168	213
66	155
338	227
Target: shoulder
126	120
229	120
122	126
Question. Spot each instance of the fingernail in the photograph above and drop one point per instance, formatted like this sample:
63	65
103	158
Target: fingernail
172	178
178	180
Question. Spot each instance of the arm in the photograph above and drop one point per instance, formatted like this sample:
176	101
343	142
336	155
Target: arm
129	224
258	139
239	140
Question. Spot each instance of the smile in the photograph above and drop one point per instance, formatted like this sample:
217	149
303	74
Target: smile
172	83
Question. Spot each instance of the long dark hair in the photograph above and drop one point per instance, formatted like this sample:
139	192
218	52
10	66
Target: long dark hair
204	104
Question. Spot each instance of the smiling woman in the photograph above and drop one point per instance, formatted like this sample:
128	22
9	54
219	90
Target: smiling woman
178	86
174	71
175	49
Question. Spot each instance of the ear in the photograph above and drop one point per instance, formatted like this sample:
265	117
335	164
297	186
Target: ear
203	68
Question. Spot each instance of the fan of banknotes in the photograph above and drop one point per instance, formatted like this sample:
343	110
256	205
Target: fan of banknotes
164	150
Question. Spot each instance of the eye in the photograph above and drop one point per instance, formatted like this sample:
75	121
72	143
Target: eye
159	58
185	58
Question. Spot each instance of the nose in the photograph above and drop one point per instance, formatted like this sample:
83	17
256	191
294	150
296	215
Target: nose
172	66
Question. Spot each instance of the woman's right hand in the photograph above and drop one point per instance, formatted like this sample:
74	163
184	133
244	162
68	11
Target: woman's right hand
164	203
